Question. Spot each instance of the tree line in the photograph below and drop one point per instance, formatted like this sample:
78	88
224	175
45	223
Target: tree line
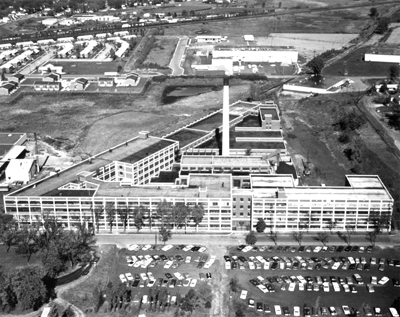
169	216
379	222
56	249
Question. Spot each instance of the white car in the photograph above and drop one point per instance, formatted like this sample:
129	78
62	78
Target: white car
335	266
374	280
143	276
278	310
123	279
251	266
167	247
260	279
247	249
193	283
267	265
262	288
370	288
150	276
260	259
168	264
137	263
146	247
301	286
134	247
129	276
296	311
208	264
346	310
326	287
292	287
188	259
186	283
227	265
179	276
383	280
346	288
243	294
336	287
317	249
151	283
188	248
203	249
144	299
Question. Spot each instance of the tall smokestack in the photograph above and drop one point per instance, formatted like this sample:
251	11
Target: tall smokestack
225	119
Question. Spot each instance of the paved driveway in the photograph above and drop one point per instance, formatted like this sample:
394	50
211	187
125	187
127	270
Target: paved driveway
175	63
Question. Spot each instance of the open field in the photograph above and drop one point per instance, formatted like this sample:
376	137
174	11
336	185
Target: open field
162	51
10	261
350	21
356	65
111	118
309	44
394	38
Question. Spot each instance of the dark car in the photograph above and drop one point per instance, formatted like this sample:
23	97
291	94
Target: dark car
367	267
340	249
306	311
286	249
163	257
352	267
242	258
200	264
241	247
179	258
301	249
179	247
286	311
208	276
255	249
274	266
347	249
259	306
296	265
270	249
267	308
355	249
332	249
254	282
135	283
195	249
168	275
234	264
279	249
370	248
227	258
318	266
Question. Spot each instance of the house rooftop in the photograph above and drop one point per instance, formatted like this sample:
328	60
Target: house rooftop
10	138
245	161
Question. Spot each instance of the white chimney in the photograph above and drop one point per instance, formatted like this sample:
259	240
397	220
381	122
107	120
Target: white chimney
225	119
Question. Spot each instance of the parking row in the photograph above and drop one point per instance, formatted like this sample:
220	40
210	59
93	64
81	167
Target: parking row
309	311
165	248
151	261
307	263
308	249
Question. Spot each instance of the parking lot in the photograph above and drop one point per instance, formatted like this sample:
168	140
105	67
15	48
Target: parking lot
308	281
147	269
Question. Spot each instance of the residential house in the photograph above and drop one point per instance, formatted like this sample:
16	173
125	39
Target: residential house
106	82
131	80
17	78
47	86
53	77
6	89
50	68
79	84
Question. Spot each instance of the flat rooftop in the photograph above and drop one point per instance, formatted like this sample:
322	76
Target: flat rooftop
212	144
211	123
10	138
264	181
216	186
272	111
46	185
253	48
273	134
151	149
186	136
365	181
246	161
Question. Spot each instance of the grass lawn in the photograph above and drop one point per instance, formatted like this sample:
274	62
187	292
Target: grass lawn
86	68
10	261
356	65
383	296
162	51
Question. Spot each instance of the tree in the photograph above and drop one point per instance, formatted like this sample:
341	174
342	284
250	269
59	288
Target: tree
138	215
51	260
165	233
331	225
124	214
8	231
316	65
346	236
98	211
110	214
373	13
261	225
394	72
379	221
371	236
112	54
322	237
3	74
239	313
197	213
27	241
383	25
234	284
7	297
298	236
273	235
164	211
179	215
28	287
251	238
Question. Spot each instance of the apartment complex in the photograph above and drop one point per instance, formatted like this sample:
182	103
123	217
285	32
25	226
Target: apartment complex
235	190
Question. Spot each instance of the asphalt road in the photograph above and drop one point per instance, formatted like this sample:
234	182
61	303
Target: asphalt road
175	63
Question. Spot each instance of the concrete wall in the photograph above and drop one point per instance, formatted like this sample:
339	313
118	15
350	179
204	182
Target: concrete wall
382	58
259	56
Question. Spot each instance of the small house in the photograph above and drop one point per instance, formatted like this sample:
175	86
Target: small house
53	77
106	82
17	78
132	80
21	170
6	89
79	84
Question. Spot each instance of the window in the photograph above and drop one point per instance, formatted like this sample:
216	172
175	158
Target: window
241	206
241	199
